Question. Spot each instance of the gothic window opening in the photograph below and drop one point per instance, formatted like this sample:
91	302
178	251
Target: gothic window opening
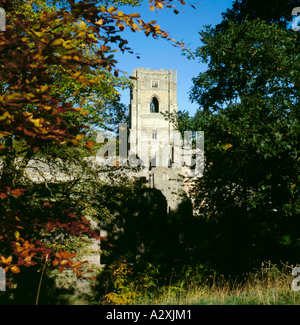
154	105
154	84
154	135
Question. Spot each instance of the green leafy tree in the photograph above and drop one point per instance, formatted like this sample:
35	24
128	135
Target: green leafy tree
249	110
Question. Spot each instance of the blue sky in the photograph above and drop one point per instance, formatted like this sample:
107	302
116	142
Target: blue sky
157	54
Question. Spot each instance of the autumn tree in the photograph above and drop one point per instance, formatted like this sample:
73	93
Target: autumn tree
59	81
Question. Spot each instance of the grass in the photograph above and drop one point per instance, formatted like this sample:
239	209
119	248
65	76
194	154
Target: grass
268	285
224	296
265	286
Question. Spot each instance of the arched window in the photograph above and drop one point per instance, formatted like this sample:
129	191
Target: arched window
154	135
154	105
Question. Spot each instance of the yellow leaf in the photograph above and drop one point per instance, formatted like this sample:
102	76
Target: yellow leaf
82	24
79	137
75	142
57	42
4	133
99	22
81	34
39	57
5	116
15	269
135	26
14	97
111	9
43	17
29	96
6	260
37	122
92	36
135	15
44	88
17	234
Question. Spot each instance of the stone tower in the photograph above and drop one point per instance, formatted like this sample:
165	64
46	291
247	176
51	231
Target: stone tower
153	92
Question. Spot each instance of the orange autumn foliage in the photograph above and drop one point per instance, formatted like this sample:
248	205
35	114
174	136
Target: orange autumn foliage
32	110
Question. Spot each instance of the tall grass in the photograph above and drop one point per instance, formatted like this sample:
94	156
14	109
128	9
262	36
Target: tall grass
268	285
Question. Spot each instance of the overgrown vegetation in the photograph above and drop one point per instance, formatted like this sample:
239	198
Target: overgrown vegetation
268	285
248	197
59	83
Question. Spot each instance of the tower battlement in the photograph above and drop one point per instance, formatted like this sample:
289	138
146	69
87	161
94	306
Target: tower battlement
153	92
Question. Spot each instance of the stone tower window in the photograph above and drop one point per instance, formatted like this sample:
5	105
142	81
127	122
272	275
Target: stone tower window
154	84
154	105
154	135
